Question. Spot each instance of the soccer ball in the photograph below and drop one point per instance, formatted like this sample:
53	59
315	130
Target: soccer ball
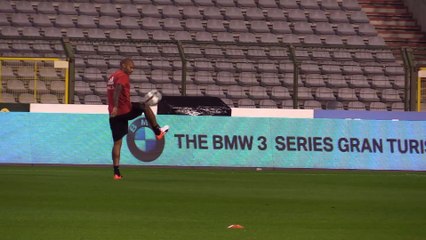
152	97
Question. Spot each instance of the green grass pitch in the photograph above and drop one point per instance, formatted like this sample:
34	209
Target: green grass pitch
45	202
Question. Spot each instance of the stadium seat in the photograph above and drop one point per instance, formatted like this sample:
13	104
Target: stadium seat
172	24
191	12
27	72
302	28
309	4
244	67
74	33
7	72
311	104
247	79
333	40
150	23
345	29
330	68
346	94
288	4
267	103
55	32
267	4
92	74
357	41
317	16
48	73
6	7
259	27
336	81
359	17
356	105
253	14
20	20
313	39
7	98
397	106
246	103
338	17
373	70
107	22
305	93
107	9
215	25
204	2
390	95
87	9
49	98
234	92
394	70
330	5
169	89
27	98
361	56
295	15
280	27
314	80
204	78
213	53
118	34
280	93
15	86
237	26
368	95
41	20
288	104
246	3
137	34
129	10
66	8
334	105
86	21
225	78
57	86
214	91
92	99
275	14
324	94
247	38
41	48
24	7
224	66
378	106
225	3
212	13
351	5
270	79
366	30
380	81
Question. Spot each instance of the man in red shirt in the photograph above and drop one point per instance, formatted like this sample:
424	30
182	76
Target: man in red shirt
121	110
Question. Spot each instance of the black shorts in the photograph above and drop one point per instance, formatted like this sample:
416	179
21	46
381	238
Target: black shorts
120	124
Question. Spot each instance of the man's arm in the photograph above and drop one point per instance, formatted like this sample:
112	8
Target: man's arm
117	92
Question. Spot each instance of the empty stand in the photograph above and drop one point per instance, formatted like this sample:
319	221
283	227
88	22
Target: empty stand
235	49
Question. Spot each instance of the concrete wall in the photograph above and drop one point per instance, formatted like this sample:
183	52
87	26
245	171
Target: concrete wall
418	8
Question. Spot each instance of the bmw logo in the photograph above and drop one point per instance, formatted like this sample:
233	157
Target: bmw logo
142	142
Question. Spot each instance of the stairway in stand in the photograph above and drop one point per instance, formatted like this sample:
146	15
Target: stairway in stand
394	23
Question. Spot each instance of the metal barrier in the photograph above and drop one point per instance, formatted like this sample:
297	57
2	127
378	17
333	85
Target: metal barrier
33	80
184	55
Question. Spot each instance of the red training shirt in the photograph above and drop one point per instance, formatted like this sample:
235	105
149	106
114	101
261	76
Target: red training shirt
124	105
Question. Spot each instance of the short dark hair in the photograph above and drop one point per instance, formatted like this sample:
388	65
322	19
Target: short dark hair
124	61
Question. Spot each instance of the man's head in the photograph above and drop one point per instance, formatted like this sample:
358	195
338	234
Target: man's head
127	65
